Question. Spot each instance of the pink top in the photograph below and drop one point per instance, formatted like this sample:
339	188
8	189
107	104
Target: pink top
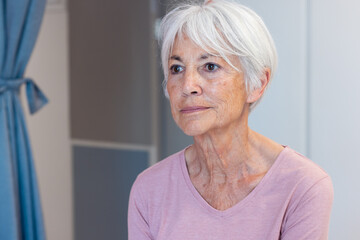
292	201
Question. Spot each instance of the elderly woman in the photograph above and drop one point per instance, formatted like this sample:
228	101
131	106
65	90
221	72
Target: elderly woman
232	183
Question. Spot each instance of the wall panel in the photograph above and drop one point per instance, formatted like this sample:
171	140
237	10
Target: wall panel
335	114
102	183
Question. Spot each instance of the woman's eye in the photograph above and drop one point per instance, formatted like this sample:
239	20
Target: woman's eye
211	67
176	69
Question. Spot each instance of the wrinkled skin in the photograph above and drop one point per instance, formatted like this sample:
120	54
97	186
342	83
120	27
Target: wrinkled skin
219	92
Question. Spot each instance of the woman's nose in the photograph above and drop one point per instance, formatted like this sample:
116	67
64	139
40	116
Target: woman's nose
192	83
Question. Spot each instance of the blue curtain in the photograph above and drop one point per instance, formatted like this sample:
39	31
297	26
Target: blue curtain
20	209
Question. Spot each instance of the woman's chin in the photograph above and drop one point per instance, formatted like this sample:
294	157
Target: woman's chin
194	130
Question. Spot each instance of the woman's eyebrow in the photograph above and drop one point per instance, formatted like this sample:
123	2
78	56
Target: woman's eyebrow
206	55
202	56
176	57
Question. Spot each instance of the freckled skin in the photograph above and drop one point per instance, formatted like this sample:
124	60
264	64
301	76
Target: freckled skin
227	159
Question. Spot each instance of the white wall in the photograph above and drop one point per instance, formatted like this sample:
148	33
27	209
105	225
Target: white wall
334	109
49	128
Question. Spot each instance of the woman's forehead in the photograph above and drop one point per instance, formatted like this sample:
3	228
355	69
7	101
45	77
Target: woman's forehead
182	50
184	45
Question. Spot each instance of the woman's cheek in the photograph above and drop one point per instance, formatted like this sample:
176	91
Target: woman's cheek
170	88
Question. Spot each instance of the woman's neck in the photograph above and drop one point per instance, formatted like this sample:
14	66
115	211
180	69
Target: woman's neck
230	156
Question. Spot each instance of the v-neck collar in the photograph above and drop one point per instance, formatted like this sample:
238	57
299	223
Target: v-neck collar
230	211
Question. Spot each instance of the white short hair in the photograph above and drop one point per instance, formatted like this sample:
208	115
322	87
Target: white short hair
226	27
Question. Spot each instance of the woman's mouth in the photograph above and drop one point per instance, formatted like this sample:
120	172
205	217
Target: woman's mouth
193	109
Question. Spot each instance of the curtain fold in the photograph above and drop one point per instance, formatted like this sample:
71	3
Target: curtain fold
20	209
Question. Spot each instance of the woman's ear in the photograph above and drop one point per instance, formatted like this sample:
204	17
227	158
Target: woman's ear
258	92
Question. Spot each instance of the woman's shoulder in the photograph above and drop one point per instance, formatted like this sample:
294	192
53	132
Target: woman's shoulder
297	172
309	194
298	165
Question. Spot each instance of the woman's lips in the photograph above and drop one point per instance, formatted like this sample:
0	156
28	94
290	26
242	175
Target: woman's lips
193	109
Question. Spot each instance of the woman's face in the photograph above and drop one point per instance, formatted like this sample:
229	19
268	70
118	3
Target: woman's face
206	93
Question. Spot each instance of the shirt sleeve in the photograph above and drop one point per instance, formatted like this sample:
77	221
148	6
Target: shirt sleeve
309	218
138	226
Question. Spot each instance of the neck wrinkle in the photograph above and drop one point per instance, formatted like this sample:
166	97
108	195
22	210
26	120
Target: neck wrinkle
223	158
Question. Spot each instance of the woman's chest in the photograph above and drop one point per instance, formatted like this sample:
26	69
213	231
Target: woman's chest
226	195
183	214
198	223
